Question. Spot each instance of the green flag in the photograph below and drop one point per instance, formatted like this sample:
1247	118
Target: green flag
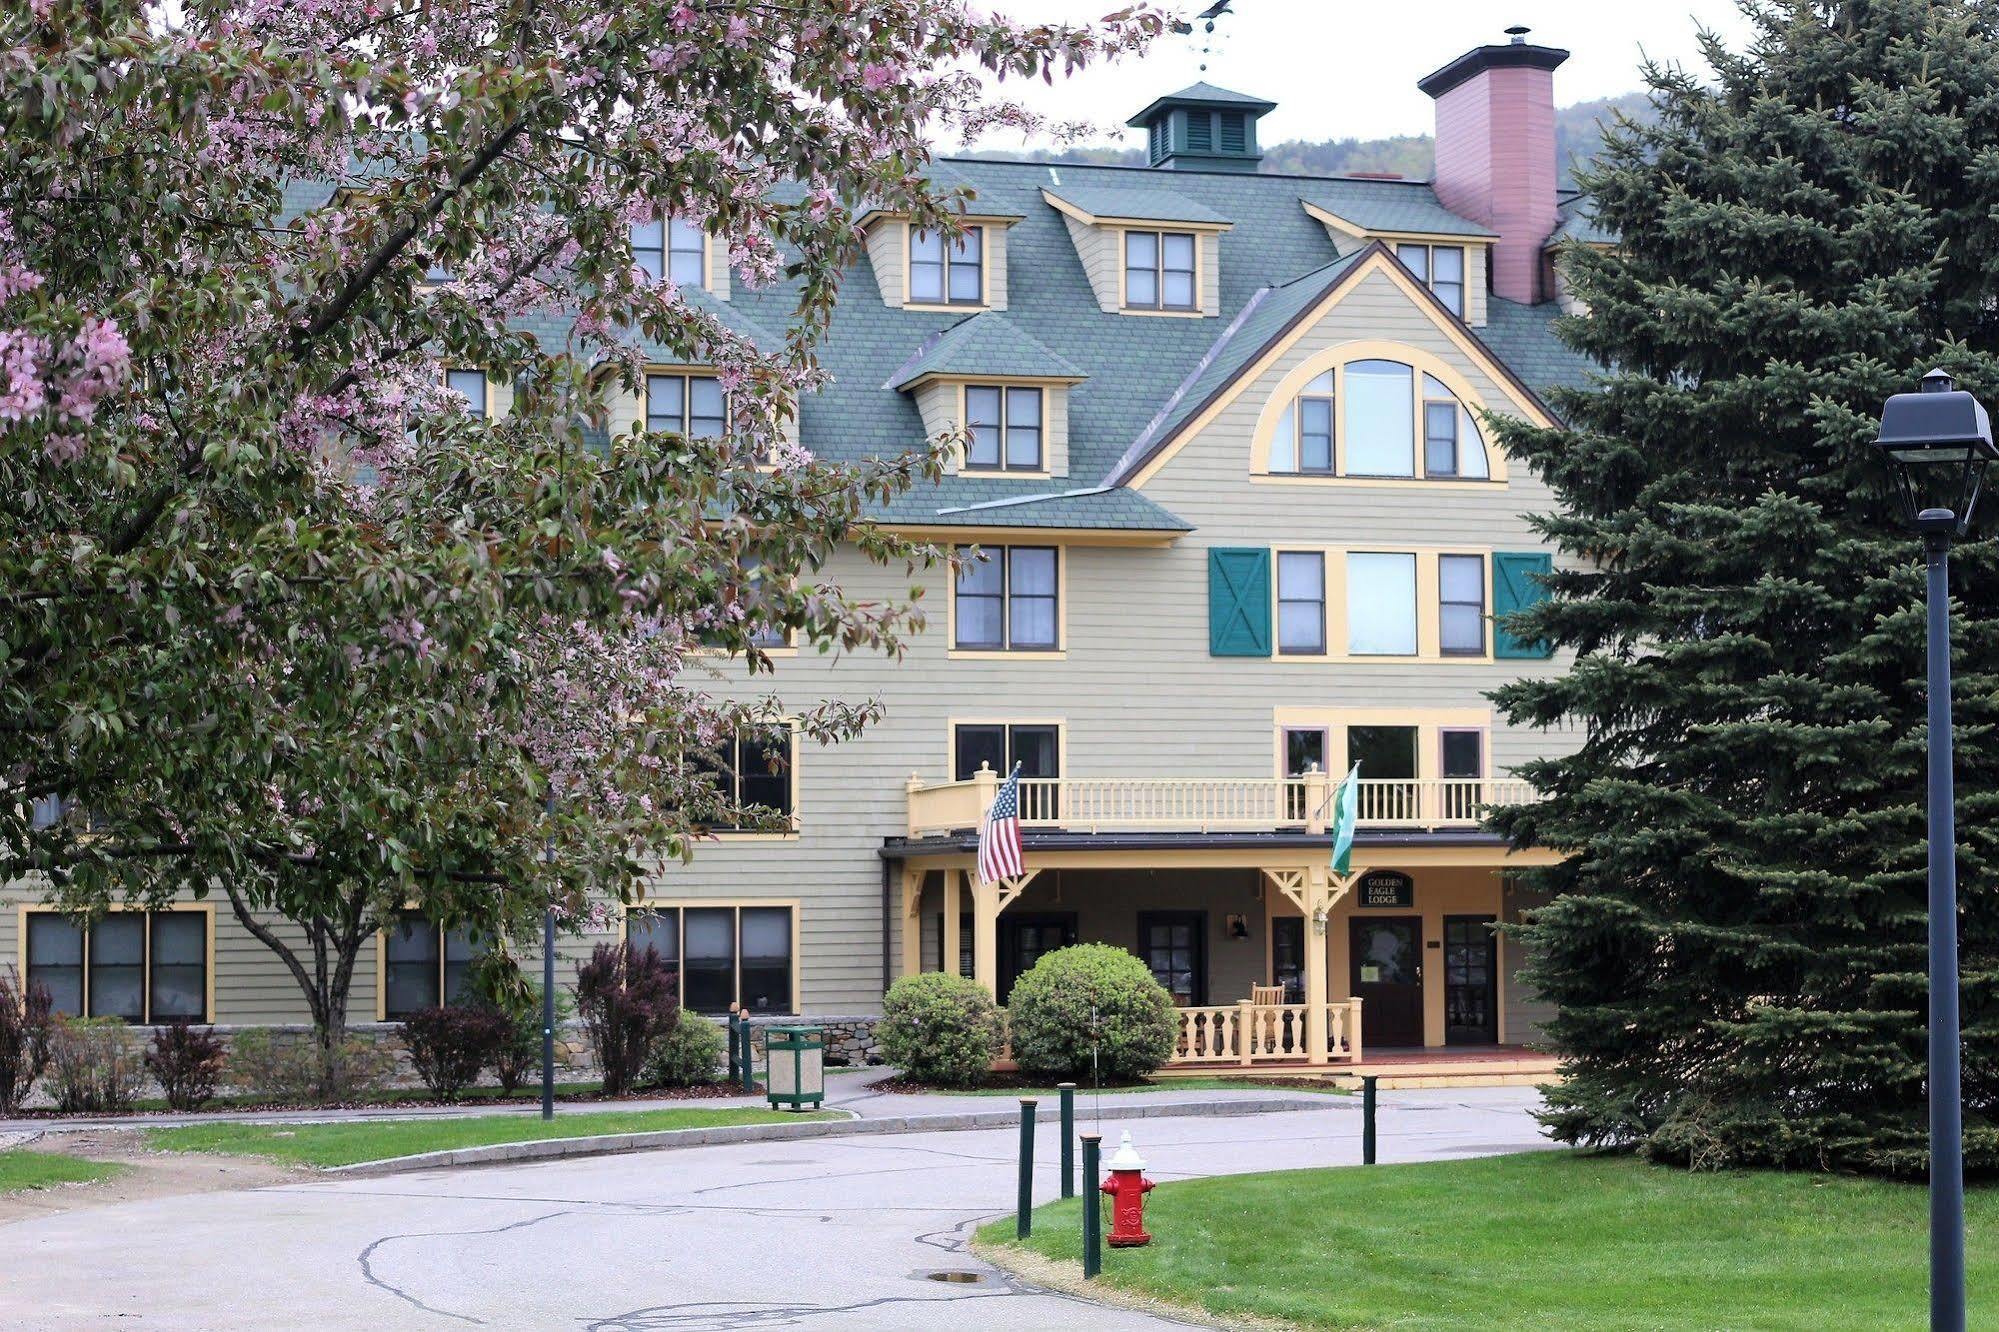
1346	811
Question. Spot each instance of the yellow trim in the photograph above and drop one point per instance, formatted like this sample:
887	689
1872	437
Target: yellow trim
1354	230
26	909
725	903
985	301
1336	359
1420	297
951	725
1061	649
1429	605
1429	723
1365	857
1061	205
1124	306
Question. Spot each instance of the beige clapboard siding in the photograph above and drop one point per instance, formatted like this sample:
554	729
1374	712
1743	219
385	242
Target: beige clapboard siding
995	243
1096	247
888	252
1210	243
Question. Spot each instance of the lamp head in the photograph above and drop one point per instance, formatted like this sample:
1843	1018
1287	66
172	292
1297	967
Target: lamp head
1938	443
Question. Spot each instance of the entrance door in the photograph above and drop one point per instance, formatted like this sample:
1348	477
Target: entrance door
1471	981
1023	939
1175	945
1387	955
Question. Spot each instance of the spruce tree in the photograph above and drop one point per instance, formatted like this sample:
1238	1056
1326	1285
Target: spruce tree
1736	940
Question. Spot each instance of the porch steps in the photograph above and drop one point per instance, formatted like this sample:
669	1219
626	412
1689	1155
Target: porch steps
1398	1074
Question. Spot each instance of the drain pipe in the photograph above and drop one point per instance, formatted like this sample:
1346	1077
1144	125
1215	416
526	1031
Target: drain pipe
889	867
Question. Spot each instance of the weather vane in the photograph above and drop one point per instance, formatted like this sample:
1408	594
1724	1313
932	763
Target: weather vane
1208	17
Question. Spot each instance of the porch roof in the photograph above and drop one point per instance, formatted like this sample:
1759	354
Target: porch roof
899	848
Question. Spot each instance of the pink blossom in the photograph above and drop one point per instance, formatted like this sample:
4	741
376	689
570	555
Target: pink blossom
875	77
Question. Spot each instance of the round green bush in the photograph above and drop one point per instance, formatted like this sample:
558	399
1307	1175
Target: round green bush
1091	996
940	1029
688	1056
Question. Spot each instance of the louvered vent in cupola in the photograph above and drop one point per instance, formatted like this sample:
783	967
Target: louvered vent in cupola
1202	128
1234	137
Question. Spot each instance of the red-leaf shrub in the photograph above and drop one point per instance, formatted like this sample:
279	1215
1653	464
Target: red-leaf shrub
448	1046
628	1005
186	1061
26	1025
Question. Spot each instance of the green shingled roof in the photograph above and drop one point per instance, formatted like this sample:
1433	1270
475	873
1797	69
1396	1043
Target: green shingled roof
1205	94
1143	205
1579	223
1388	205
987	343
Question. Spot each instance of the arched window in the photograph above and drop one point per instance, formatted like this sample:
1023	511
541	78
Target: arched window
1392	422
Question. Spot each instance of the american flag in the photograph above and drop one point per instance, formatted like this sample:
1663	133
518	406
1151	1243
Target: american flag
999	833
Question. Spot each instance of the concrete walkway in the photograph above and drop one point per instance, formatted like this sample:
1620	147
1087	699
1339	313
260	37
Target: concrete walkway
838	1233
856	1091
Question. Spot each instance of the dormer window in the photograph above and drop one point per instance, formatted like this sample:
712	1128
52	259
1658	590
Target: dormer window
947	270
671	248
1159	269
471	386
1441	268
1378	419
688	404
1006	426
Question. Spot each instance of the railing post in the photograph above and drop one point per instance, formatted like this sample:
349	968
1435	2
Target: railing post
1093	1221
1353	1020
1316	790
1068	1091
1023	1221
911	790
1246	1031
1367	1119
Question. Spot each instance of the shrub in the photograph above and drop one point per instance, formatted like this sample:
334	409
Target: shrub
939	1028
691	1055
290	1066
94	1065
497	982
448	1046
186	1061
1091	996
626	998
27	1023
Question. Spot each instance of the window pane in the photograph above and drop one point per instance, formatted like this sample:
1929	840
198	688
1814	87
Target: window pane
979	622
1440	438
462	947
55	958
1141	249
1301	598
926	267
690	255
1304	751
1284	444
117	966
1380	425
1449	261
1381	604
1037	749
649	248
470	385
709	982
1023	428
767	959
1178	247
982	406
1179	291
657	930
179	981
1031	597
764	769
1032	622
666	402
707	415
1462	578
1416	258
1385	753
1033	570
982	416
1471	448
1461	597
926	247
976	745
1461	754
410	950
1141	287
1461	630
969	247
967	277
1315	434
1452	294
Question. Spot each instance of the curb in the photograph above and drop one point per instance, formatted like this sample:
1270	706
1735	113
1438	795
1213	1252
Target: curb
611	1144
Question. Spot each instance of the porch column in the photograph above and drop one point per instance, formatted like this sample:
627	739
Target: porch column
912	921
985	933
1318	906
947	948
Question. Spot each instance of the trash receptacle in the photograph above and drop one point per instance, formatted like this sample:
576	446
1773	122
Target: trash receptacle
795	1067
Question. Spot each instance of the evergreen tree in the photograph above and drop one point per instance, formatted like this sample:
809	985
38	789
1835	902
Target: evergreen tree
1737	936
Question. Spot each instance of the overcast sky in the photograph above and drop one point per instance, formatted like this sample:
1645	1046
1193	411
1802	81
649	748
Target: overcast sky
1340	69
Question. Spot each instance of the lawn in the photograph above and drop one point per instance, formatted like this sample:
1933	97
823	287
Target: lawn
1536	1240
375	1140
38	1170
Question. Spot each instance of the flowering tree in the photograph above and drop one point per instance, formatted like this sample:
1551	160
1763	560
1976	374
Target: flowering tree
282	620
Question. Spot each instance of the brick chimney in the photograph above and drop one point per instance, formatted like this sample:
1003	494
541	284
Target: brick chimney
1496	152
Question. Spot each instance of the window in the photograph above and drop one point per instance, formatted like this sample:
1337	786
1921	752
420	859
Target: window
1381	604
1464	753
732	954
470	385
1287	957
671	248
947	273
1380	419
1035	746
1159	270
691	405
1304	751
423	966
136	965
1005	425
1441	268
1007	601
756	774
1385	753
1301	602
1174	946
1384	429
1461	605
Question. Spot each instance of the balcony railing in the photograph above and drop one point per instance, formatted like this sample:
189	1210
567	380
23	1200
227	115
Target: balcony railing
1211	804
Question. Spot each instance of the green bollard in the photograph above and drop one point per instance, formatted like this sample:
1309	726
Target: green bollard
1367	1119
1023	1218
1093	1220
1068	1090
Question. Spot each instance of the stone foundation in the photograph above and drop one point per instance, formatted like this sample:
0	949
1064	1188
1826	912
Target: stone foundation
850	1039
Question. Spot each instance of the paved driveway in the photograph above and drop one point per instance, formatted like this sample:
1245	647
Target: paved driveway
830	1233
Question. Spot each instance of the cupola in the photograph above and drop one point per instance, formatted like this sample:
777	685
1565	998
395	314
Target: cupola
1203	128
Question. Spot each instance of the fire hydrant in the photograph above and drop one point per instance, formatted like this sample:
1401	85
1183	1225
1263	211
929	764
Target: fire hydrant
1127	1187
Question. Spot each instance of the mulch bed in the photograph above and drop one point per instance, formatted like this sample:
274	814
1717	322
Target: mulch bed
996	1082
714	1091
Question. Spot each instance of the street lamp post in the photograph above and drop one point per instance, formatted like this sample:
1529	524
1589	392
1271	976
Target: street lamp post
1938	443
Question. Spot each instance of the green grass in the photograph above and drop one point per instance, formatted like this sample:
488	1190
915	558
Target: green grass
38	1170
348	1143
1537	1240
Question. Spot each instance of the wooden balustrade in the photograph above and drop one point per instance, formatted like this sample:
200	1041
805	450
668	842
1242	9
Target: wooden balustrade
1247	1034
1093	804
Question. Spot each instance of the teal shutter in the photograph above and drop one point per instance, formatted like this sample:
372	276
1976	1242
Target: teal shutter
1516	585
1238	602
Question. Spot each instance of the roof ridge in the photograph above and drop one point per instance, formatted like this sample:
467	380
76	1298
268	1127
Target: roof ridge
1163	174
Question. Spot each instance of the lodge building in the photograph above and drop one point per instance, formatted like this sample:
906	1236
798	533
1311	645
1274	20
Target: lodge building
1247	525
